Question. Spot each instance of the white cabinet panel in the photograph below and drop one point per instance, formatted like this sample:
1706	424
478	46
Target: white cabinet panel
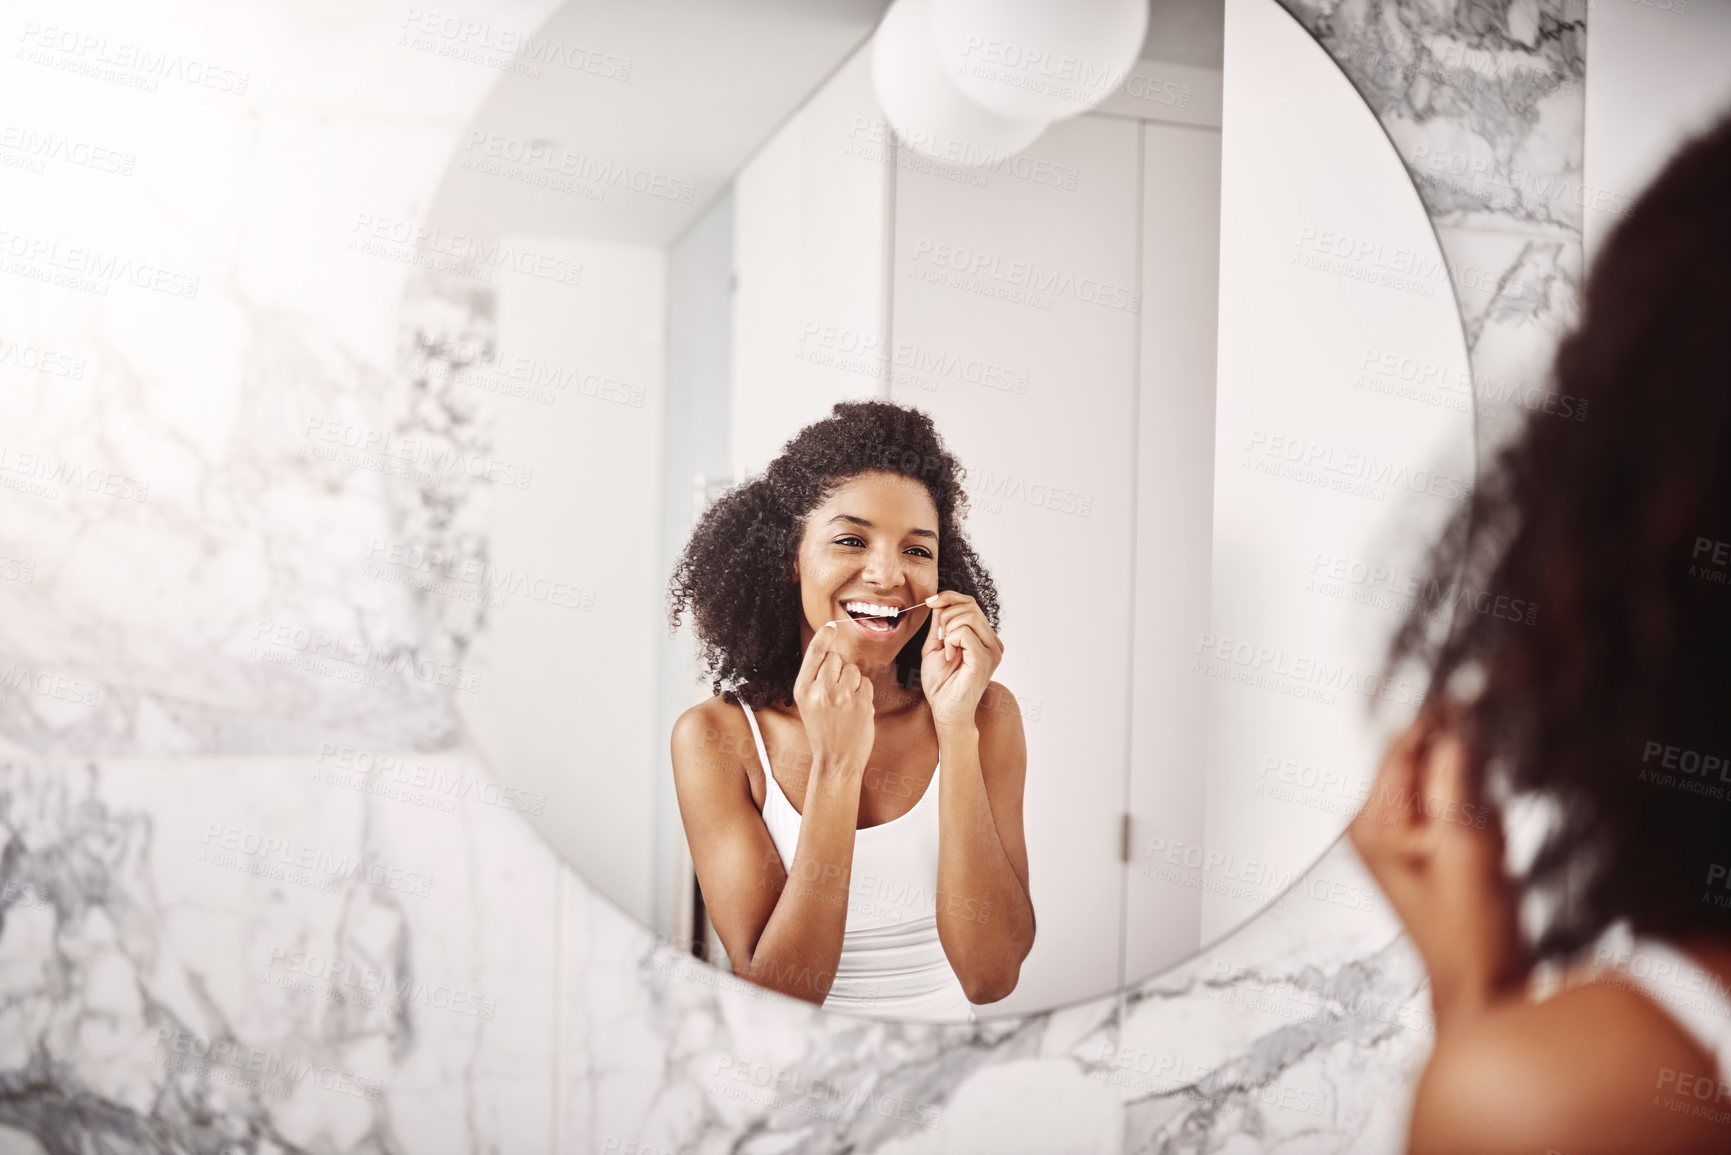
1174	533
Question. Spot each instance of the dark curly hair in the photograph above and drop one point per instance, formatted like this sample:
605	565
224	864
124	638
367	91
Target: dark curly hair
736	574
1615	704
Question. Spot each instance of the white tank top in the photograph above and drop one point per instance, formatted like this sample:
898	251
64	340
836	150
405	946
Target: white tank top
892	964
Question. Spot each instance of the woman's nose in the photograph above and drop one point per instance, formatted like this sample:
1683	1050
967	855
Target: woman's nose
883	567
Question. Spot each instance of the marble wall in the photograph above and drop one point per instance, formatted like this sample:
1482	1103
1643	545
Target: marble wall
229	923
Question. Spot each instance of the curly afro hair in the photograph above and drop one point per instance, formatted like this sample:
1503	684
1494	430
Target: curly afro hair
1615	704
736	572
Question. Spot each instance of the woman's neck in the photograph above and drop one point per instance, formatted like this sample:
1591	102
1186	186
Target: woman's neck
888	697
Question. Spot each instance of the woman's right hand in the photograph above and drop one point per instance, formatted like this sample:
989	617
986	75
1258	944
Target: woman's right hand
835	703
1434	844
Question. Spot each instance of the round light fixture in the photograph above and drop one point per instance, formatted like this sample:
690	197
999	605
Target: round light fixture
929	113
1038	59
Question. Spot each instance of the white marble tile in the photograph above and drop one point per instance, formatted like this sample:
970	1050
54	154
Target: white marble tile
1484	101
254	941
202	506
1519	297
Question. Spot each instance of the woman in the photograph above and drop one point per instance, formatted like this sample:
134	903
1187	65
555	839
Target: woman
849	632
1613	710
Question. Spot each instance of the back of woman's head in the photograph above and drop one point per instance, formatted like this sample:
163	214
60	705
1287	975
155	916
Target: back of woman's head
736	574
1616	701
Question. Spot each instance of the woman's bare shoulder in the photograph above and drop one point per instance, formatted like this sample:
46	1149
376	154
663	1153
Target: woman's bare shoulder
1591	1069
997	706
713	734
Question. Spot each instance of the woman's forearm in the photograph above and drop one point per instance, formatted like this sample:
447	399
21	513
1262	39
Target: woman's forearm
801	942
985	917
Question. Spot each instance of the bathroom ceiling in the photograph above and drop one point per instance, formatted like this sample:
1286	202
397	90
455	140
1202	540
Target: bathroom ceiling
707	82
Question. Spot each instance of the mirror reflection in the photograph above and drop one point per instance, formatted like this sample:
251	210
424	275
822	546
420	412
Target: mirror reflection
1153	403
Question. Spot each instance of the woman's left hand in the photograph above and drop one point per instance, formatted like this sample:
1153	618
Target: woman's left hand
956	663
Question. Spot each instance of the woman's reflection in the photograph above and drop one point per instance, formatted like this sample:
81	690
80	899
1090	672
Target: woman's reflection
848	629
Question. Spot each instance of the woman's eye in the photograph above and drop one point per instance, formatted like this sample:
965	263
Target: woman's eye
920	551
849	540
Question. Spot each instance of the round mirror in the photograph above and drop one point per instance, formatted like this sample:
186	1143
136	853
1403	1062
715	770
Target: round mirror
1195	349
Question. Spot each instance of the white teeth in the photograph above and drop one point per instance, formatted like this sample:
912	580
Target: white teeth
871	608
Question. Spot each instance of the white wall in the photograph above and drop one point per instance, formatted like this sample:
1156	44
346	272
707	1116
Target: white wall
810	229
697	442
568	703
1328	264
1656	74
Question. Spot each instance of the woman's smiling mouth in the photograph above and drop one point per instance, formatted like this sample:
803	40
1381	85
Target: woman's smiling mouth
880	618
